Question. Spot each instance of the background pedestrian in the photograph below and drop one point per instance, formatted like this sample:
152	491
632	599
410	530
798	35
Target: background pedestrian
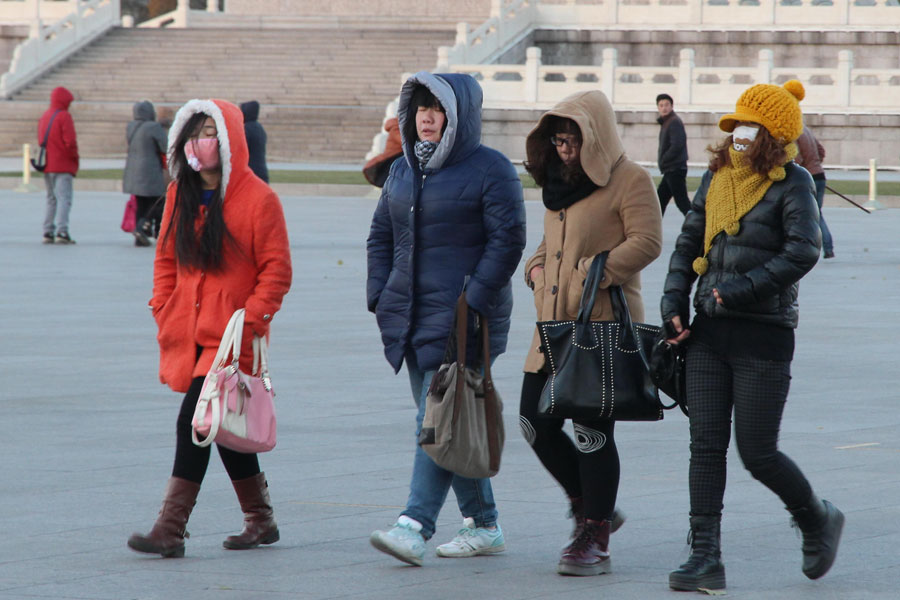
62	165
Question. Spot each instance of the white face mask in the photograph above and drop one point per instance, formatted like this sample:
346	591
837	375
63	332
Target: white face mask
746	134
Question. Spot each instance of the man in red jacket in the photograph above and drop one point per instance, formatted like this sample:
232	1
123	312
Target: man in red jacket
62	164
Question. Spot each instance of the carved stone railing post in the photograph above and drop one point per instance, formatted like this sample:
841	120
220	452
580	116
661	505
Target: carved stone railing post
610	62
532	74
765	65
685	75
845	72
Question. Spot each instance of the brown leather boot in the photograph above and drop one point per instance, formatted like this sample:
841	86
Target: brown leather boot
259	518
166	538
576	513
588	554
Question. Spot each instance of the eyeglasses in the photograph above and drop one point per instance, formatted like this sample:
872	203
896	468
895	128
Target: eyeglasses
571	142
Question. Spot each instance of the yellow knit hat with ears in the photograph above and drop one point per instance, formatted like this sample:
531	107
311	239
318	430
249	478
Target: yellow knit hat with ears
775	107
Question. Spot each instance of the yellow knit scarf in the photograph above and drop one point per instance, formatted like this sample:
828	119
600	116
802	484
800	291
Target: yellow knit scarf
733	192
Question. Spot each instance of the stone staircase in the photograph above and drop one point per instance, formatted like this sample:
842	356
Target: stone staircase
323	91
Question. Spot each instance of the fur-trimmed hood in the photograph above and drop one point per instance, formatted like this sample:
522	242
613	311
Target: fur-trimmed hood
232	141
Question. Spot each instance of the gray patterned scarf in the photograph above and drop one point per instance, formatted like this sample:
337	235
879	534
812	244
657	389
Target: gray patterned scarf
424	149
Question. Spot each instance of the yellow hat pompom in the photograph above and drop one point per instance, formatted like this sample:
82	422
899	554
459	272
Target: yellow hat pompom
700	265
733	228
796	89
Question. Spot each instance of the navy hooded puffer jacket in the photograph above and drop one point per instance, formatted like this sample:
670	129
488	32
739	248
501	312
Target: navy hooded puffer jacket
463	216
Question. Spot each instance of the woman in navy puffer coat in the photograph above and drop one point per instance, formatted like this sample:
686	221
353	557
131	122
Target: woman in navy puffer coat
451	215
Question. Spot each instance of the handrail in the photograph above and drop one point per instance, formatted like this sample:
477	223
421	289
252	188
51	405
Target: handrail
50	45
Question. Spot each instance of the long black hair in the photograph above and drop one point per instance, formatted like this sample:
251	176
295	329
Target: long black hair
203	249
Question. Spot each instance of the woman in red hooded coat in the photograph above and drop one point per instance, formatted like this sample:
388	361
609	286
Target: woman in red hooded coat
223	246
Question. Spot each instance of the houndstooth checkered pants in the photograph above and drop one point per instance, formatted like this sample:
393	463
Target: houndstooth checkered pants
756	390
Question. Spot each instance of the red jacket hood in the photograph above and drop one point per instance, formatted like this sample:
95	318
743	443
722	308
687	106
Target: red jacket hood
60	98
232	142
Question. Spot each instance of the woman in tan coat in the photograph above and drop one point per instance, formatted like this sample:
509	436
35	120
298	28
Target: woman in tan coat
597	200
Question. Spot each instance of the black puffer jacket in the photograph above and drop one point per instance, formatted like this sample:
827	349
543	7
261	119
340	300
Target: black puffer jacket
756	271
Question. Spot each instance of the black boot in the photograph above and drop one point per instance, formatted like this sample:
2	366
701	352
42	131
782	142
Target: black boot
821	524
704	568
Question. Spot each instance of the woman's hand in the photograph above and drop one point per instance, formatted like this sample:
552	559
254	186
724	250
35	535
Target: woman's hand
534	271
718	297
679	329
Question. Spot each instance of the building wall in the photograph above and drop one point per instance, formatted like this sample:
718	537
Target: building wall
848	139
475	11
873	50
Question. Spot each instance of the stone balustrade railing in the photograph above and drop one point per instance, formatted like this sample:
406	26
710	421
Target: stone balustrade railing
511	19
534	85
27	11
738	14
49	45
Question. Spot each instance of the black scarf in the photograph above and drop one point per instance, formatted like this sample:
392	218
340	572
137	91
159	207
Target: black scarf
559	193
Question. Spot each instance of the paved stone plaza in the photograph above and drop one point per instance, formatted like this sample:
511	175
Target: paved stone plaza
88	434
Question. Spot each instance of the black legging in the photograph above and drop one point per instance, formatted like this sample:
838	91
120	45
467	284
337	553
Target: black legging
756	389
144	204
587	468
191	460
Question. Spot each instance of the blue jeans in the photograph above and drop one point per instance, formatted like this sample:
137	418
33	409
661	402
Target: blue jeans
430	483
827	242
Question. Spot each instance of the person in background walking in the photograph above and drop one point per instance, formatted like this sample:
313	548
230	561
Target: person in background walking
672	156
256	139
811	156
223	246
450	212
751	234
62	165
597	200
144	170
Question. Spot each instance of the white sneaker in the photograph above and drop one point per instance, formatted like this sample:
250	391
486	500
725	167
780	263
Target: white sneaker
473	541
403	541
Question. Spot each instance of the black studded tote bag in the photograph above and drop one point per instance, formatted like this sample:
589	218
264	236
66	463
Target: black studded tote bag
599	369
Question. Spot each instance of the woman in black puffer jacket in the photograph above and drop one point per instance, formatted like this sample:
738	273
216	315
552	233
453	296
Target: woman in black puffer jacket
751	234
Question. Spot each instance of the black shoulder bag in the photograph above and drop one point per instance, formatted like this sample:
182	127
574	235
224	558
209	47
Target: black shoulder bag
600	369
41	163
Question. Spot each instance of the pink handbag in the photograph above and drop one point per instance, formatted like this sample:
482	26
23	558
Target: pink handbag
234	409
129	219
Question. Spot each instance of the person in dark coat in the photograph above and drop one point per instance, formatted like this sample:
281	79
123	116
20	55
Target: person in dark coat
144	177
57	126
672	156
450	217
751	234
256	139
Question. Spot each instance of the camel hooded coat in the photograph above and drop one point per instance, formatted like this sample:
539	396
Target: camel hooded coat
192	307
621	216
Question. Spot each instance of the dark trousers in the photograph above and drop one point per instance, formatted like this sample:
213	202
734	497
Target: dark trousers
587	468
149	214
191	460
755	390
673	184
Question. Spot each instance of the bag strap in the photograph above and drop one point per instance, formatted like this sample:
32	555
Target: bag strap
623	316
136	129
261	361
231	340
591	284
49	127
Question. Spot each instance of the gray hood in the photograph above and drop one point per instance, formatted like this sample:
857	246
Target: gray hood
461	96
